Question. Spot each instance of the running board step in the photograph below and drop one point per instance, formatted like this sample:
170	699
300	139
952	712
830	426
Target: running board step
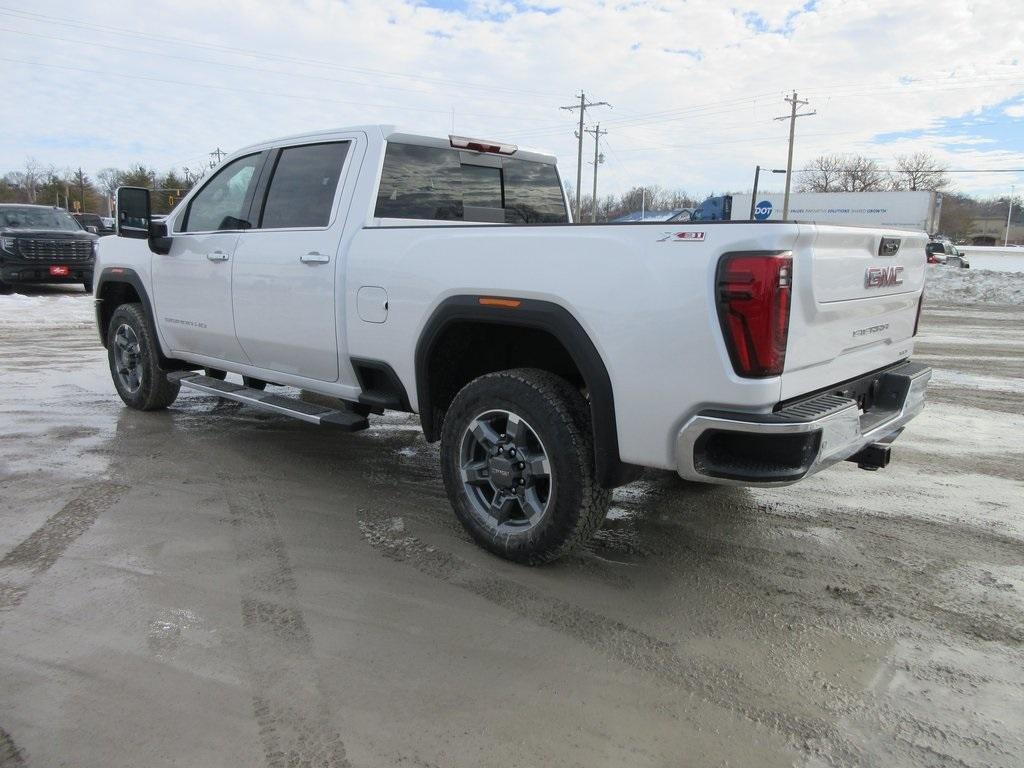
339	418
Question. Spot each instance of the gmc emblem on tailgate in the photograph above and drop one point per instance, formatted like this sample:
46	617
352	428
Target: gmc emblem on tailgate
883	277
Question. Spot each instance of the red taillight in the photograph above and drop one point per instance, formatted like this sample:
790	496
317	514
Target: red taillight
753	293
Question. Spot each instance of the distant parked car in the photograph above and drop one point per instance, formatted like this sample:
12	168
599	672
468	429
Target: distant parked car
42	244
956	258
98	225
944	252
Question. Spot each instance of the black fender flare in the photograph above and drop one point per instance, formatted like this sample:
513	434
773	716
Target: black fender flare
128	276
564	327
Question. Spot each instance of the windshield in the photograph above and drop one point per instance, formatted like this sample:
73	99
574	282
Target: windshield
27	217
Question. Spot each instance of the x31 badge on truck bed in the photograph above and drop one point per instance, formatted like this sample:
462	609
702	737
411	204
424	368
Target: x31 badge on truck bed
681	237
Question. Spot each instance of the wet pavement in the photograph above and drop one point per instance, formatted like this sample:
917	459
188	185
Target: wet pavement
216	586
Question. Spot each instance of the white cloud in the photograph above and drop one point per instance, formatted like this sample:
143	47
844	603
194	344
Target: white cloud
180	85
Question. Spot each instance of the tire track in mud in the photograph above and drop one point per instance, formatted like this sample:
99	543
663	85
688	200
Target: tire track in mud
294	718
614	639
36	554
871	588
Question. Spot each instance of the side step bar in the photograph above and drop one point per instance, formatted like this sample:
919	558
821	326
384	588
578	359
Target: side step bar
339	418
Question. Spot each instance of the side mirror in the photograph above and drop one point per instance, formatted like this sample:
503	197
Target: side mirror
133	212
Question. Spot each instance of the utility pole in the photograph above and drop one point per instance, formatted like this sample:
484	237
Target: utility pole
1006	237
753	195
81	188
583	106
794	102
598	159
216	156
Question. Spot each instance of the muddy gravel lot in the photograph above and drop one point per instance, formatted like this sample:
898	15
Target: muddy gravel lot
216	586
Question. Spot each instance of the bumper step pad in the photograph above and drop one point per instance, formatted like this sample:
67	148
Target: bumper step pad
339	418
806	436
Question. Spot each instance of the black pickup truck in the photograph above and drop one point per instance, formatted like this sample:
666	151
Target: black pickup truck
42	244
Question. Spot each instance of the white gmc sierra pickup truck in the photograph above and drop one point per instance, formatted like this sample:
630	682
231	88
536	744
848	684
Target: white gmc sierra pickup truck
381	270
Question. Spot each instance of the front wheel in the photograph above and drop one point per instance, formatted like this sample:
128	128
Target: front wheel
517	457
135	361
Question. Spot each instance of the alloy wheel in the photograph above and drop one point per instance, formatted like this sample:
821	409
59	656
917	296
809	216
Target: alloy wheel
128	357
505	470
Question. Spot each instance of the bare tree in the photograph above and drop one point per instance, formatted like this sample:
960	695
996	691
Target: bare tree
958	214
109	179
918	171
862	174
30	178
823	174
841	173
192	177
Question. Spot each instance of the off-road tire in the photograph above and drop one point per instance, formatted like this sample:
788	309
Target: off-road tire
559	415
155	392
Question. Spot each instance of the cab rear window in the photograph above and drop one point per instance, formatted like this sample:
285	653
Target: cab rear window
438	184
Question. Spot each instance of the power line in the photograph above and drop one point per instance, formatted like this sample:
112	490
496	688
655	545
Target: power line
231	89
915	170
76	24
248	67
583	106
741	104
693	112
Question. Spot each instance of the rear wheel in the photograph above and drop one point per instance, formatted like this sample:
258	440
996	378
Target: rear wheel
135	361
518	465
216	373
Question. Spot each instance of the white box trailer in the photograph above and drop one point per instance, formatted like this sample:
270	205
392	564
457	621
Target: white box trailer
918	211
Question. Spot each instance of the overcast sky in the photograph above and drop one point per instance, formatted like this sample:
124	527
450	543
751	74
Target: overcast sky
694	85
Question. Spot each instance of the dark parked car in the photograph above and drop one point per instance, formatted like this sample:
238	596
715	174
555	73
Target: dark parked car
95	223
41	244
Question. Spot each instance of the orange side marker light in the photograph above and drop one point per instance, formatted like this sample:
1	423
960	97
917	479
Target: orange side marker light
492	301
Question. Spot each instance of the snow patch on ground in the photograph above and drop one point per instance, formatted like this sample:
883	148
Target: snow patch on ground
64	310
951	285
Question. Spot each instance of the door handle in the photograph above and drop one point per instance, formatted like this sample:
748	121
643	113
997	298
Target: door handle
313	257
217	256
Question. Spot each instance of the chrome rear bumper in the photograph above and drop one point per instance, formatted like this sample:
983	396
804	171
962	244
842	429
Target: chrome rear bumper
782	447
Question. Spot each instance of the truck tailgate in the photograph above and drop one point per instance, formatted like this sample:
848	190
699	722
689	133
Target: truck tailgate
854	303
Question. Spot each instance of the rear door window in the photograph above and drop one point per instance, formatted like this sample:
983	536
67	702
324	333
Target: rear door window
533	193
420	183
433	183
302	187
